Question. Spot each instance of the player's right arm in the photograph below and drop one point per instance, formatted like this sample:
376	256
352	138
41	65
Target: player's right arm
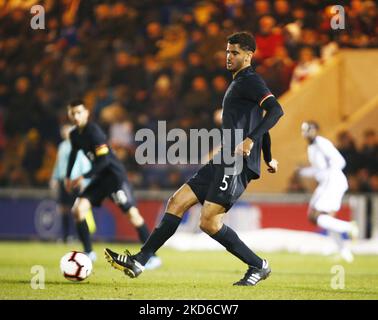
71	162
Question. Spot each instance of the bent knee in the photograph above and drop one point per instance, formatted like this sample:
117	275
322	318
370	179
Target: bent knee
209	226
176	206
181	201
80	208
313	216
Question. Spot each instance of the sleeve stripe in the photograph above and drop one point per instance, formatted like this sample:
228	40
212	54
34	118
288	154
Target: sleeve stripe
101	150
101	146
265	97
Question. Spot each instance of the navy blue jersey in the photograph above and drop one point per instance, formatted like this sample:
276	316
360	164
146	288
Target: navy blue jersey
242	110
92	140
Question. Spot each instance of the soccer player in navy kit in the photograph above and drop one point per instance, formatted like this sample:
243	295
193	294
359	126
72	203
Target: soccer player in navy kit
243	105
108	178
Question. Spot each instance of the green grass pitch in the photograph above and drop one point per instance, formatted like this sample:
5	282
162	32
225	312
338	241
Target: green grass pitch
184	275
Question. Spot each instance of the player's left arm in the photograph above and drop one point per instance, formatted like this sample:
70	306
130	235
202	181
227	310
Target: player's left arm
101	161
68	182
273	113
334	158
267	153
101	153
256	90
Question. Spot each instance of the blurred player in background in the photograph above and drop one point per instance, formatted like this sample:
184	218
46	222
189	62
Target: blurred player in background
108	178
243	107
326	167
65	199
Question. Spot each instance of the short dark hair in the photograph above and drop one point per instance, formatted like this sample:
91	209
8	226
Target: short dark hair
313	125
245	40
75	103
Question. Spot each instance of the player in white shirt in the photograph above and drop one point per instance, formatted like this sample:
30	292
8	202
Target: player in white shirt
326	167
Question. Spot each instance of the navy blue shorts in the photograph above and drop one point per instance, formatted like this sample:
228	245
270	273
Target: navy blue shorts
212	184
109	185
65	198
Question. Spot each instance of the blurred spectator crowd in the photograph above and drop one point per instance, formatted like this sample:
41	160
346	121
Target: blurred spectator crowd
137	62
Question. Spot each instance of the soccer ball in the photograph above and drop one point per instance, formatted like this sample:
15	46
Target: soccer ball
75	266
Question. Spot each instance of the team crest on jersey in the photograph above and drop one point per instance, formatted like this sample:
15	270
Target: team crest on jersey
90	155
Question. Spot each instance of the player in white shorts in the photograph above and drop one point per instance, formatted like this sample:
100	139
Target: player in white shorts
326	167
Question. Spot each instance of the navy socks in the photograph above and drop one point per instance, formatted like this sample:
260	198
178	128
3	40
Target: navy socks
158	237
231	241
